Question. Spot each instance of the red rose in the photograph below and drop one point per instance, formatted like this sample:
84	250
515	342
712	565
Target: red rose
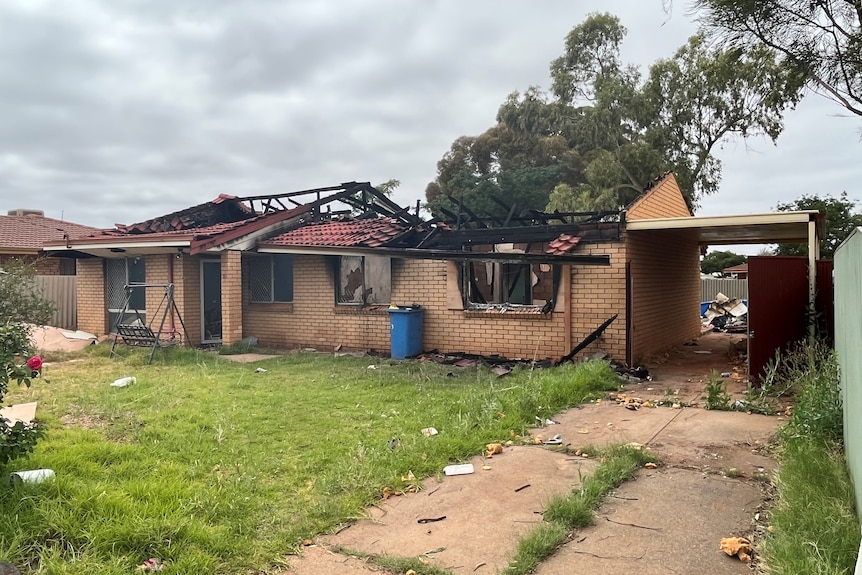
34	363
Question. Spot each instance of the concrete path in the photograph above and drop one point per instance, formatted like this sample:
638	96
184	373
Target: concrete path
668	520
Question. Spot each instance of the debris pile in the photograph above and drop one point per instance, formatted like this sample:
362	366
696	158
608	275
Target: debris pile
726	314
737	546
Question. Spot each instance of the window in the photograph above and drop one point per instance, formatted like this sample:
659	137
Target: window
503	283
271	278
364	280
118	274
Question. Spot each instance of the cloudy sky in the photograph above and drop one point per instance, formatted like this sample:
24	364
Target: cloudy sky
115	111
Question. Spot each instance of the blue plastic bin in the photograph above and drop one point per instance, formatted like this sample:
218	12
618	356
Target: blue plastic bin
405	331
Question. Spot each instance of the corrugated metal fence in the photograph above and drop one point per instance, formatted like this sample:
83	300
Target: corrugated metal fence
732	288
62	291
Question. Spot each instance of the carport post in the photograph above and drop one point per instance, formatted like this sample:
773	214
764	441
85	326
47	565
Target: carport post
813	256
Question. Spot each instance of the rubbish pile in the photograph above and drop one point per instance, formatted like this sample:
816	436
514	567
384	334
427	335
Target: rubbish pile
726	314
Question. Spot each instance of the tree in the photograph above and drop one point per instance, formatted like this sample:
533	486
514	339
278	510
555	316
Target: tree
602	134
716	260
820	40
20	296
841	219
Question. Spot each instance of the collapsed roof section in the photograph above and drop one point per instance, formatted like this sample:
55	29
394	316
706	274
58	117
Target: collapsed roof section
350	218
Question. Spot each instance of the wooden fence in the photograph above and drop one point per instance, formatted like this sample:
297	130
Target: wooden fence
62	291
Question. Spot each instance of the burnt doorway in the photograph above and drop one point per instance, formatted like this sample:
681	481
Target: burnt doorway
211	301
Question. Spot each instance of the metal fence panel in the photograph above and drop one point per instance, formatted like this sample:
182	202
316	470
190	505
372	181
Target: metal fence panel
62	291
732	288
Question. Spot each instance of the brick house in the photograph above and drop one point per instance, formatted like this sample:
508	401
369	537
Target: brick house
302	274
23	232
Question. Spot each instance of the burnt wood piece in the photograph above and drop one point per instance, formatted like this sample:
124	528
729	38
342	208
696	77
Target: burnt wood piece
526	234
589	339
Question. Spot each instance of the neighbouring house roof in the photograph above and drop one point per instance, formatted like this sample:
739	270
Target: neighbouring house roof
26	234
737	269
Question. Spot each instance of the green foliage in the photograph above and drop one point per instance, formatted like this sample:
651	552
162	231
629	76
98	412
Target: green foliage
819	41
19	439
814	524
20	297
818	415
603	133
214	468
716	393
815	529
717	260
841	219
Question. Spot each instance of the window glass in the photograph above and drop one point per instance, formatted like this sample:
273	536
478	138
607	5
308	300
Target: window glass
364	280
271	278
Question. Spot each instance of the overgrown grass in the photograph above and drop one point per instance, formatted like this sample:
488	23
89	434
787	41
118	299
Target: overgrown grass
214	468
567	512
814	525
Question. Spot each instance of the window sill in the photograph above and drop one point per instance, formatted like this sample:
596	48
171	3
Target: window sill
356	309
276	307
521	312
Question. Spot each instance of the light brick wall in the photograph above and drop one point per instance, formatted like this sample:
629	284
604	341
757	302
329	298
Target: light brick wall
314	320
597	294
231	297
664	200
187	293
92	309
665	289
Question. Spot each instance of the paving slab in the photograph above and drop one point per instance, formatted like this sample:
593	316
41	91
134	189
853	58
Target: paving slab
485	513
668	520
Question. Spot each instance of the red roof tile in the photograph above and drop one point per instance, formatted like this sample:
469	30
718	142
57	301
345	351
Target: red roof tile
30	232
345	233
564	244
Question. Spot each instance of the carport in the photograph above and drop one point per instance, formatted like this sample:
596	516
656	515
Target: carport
778	227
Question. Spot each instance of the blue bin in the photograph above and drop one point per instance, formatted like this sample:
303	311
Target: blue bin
405	325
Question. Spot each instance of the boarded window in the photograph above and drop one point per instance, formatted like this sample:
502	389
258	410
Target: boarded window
364	280
270	278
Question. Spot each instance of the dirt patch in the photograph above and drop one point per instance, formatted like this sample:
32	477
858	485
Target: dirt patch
247	357
47	338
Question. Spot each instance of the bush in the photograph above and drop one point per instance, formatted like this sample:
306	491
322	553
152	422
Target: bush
18	439
20	297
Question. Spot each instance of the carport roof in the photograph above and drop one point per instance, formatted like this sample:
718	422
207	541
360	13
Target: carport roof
775	227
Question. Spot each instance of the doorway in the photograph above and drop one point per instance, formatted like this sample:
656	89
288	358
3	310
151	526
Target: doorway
211	301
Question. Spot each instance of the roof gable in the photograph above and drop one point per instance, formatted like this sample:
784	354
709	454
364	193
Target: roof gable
662	199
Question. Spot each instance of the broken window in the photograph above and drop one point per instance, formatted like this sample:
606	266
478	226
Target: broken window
363	280
270	278
497	283
119	273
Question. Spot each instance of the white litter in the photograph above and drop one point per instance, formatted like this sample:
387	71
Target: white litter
462	469
123	382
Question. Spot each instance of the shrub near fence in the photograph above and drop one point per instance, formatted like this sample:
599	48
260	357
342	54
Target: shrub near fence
62	291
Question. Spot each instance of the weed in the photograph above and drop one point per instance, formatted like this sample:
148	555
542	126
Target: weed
575	510
732	473
716	393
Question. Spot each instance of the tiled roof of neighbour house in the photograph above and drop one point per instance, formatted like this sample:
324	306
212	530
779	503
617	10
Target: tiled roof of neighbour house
564	244
28	233
373	232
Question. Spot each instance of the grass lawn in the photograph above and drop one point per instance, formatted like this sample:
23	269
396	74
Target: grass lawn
214	468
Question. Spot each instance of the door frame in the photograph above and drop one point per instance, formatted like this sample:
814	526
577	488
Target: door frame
203	263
